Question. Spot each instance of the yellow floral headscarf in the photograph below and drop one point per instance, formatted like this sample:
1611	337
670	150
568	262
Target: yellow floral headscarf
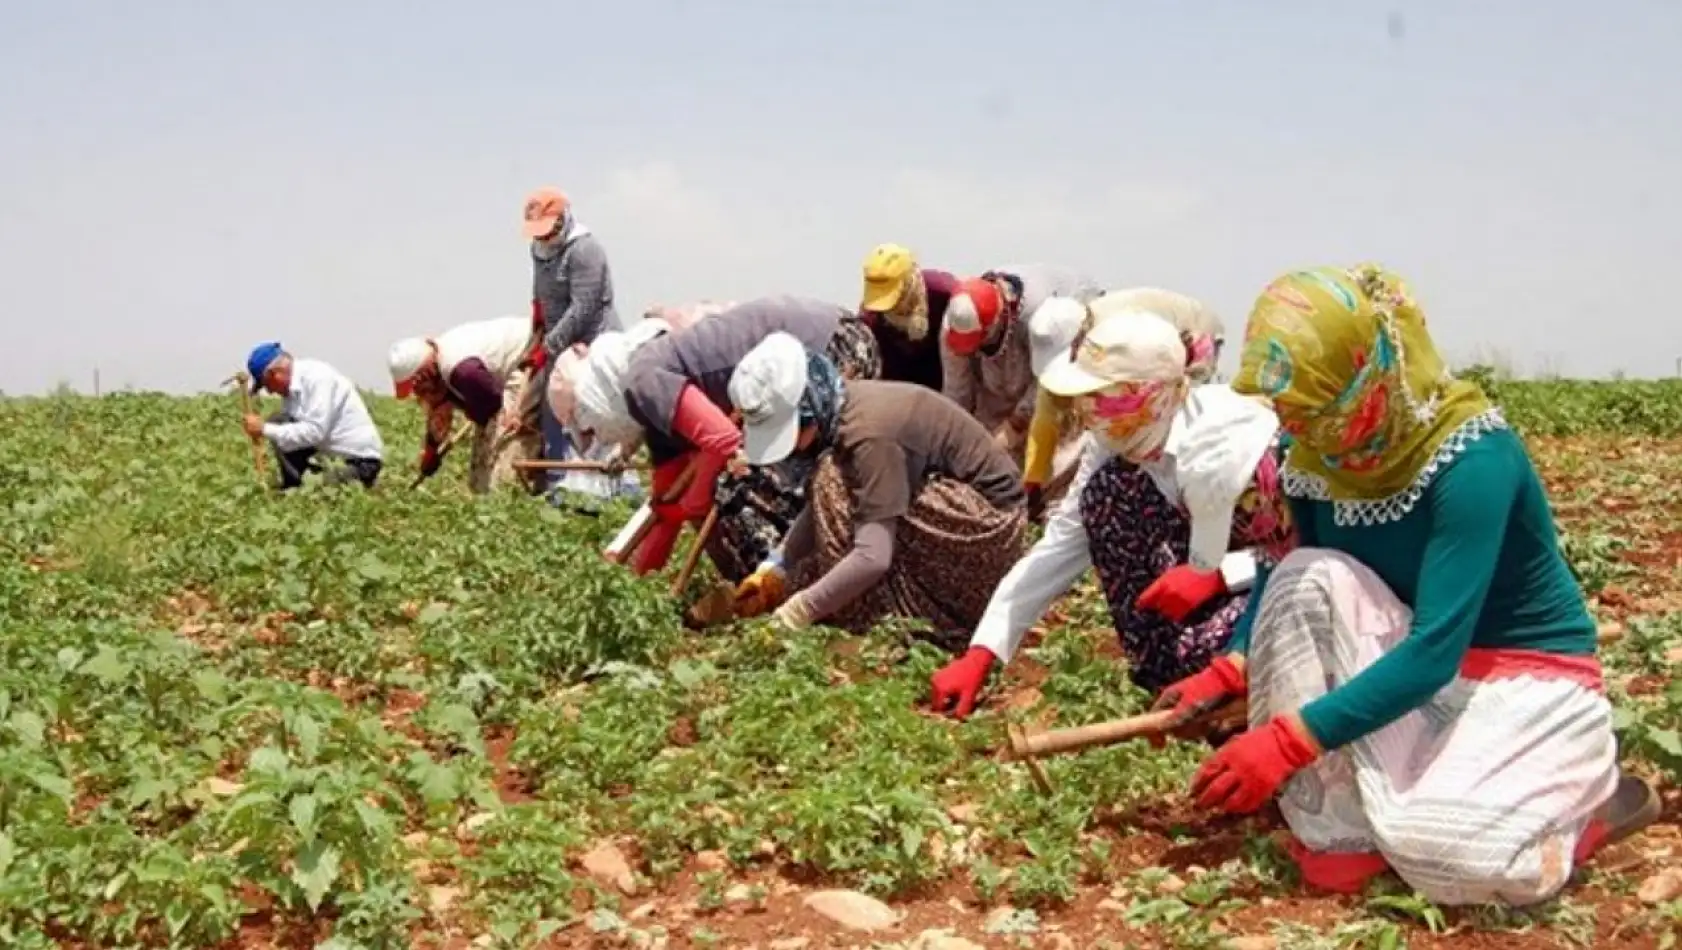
1355	379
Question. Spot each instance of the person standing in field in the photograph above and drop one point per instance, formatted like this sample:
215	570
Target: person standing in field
323	415
1423	689
572	302
1158	448
476	368
913	511
904	306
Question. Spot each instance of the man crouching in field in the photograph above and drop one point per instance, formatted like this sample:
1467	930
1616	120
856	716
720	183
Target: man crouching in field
323	415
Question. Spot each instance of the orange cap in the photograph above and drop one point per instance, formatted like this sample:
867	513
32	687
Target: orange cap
545	208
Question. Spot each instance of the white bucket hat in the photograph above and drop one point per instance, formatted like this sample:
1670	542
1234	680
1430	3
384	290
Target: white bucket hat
1225	438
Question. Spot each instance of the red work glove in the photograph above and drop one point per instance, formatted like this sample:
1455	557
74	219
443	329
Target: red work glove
1180	591
537	357
1247	771
1204	691
430	460
959	681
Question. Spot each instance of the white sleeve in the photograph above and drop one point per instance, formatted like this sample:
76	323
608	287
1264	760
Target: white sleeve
314	420
1046	573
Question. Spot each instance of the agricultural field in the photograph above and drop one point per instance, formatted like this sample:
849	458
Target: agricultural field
416	718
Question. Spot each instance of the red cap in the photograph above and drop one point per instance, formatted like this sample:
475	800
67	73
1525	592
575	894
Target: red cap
971	312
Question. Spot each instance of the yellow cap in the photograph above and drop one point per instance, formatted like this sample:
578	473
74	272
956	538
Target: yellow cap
887	272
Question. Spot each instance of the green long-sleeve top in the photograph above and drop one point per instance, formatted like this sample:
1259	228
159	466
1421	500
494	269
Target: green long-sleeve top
1477	559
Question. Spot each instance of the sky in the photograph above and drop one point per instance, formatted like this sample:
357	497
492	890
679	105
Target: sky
182	180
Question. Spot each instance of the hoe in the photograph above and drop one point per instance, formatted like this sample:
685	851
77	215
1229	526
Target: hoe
1028	748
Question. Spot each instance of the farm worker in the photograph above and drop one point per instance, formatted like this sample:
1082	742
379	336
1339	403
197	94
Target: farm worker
572	365
474	367
323	414
912	509
987	362
985	351
904	306
1051	457
675	393
1421	670
572	302
1155	439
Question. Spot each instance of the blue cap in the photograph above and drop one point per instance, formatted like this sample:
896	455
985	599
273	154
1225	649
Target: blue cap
258	362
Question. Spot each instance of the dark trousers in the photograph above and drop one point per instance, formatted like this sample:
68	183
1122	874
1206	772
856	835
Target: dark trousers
295	464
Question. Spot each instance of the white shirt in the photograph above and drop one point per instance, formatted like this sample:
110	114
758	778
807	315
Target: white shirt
327	415
1062	554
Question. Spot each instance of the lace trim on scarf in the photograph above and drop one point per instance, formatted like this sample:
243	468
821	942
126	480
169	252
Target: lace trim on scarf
1376	511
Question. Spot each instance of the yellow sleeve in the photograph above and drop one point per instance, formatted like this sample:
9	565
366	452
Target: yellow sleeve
1042	439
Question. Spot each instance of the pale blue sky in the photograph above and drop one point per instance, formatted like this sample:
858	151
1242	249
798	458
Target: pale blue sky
181	180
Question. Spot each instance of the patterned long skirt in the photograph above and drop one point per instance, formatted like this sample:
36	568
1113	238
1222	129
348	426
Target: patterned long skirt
1135	535
950	550
1481	795
757	509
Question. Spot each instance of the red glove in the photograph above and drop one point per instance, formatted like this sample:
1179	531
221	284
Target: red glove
1204	691
960	680
537	357
1180	591
1246	772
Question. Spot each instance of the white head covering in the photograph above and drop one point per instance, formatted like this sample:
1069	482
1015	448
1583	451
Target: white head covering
1052	328
1132	367
599	383
406	357
563	384
1200	325
1224	437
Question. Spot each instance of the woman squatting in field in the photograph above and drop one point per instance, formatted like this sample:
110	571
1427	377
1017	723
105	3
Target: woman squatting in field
912	509
1421	669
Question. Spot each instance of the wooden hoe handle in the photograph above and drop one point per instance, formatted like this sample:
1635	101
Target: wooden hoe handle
680	583
1024	746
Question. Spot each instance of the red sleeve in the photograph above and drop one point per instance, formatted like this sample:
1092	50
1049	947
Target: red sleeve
704	425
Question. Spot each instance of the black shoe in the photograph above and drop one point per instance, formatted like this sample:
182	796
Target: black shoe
1633	806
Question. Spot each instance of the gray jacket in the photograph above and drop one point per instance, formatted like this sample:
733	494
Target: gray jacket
575	290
